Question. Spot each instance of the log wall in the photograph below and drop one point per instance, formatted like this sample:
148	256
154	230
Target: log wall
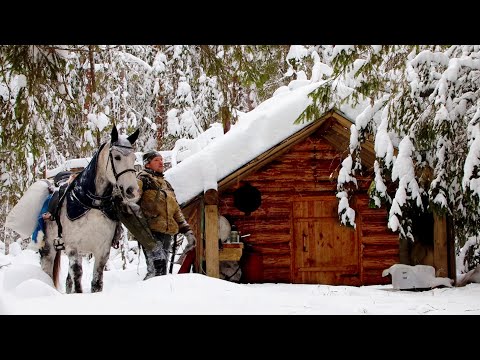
308	169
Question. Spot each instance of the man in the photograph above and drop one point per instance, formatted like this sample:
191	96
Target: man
162	211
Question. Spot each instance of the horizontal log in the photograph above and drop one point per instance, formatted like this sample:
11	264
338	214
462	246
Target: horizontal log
312	154
377	231
363	200
372	213
378	263
350	269
374	219
283	196
380	251
310	162
381	240
274	210
281	184
249	224
302	175
280	275
272	239
276	195
256	219
309	144
271	251
375	225
374	277
276	261
262	230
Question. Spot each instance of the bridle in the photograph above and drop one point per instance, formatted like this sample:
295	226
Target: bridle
117	175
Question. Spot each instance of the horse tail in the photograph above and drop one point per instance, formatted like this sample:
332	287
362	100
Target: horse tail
56	268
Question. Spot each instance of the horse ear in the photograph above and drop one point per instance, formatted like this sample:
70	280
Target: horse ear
133	137
114	135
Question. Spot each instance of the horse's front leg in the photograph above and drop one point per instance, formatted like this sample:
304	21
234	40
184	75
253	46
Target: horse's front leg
75	272
97	279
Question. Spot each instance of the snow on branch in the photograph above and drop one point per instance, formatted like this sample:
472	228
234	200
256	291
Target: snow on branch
472	162
408	190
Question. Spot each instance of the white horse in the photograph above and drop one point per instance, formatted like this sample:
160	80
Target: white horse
87	219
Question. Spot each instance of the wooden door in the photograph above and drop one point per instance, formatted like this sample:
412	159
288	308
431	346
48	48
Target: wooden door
324	251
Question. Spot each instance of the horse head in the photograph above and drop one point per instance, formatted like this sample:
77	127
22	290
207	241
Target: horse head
121	164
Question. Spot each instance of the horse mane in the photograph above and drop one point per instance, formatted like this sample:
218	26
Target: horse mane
85	181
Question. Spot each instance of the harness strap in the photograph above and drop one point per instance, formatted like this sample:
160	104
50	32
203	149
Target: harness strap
97	200
59	208
123	172
113	166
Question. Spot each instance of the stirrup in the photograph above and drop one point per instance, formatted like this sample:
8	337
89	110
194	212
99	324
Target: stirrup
58	244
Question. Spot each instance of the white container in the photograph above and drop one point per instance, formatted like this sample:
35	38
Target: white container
406	277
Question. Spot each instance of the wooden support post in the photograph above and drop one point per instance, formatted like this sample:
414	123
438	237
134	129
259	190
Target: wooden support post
440	253
211	235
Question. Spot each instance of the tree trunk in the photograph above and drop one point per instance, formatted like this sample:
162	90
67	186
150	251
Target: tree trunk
160	118
91	87
225	115
7	243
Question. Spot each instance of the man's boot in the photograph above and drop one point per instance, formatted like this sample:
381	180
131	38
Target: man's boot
149	262
160	267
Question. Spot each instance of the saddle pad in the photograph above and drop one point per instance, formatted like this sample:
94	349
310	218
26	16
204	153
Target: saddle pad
75	209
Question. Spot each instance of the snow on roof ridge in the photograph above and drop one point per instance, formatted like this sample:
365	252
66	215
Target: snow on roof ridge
268	124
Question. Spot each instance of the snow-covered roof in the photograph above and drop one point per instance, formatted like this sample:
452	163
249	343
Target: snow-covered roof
256	131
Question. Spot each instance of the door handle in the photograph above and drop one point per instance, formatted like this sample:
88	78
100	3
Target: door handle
305	248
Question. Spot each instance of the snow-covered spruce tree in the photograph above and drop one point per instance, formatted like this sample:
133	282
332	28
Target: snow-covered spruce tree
423	99
245	75
32	95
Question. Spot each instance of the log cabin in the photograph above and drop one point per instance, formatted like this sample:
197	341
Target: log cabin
283	202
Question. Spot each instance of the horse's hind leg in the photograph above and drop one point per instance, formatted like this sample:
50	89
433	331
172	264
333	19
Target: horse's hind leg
47	255
97	279
69	284
74	272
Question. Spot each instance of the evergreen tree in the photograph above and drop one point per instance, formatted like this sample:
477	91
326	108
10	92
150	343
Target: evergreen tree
423	100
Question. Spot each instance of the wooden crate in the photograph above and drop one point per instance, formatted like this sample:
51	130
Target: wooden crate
231	252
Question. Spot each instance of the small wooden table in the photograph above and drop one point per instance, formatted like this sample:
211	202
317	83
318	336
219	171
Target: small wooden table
230	252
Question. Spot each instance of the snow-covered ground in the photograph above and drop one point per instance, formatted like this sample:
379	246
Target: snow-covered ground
25	289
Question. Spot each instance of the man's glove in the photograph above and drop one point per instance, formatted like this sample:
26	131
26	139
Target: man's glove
192	240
